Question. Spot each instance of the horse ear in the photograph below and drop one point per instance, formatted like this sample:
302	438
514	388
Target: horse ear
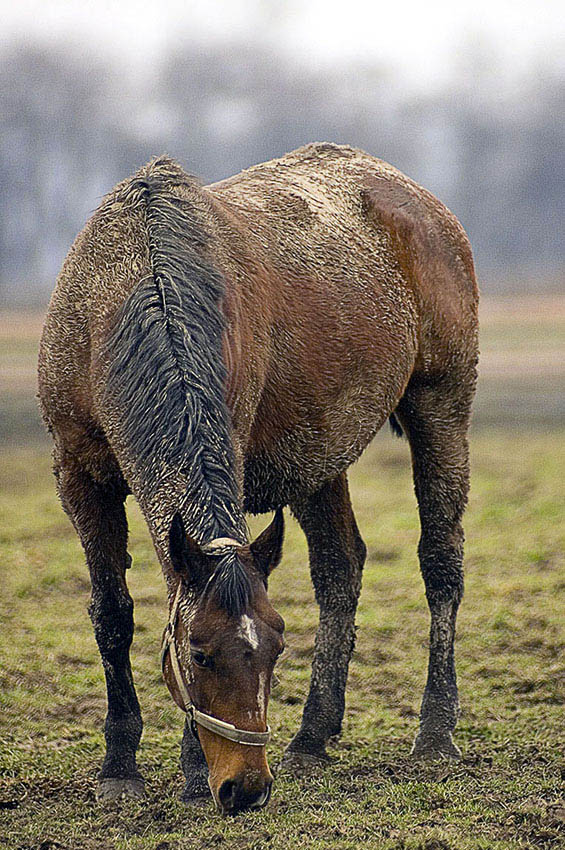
267	548
187	557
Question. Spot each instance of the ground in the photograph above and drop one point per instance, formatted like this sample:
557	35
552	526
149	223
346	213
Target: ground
506	792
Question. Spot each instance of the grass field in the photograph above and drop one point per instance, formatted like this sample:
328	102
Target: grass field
506	792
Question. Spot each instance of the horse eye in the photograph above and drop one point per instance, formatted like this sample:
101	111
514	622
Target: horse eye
200	659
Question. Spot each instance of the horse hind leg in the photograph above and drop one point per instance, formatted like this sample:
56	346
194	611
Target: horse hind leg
435	418
337	555
97	510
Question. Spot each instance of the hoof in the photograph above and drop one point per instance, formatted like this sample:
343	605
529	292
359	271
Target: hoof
294	761
109	790
196	792
435	747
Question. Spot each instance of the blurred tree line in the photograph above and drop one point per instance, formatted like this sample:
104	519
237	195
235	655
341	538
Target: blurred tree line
73	126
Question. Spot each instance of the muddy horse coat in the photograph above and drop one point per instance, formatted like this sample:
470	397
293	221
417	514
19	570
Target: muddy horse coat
235	347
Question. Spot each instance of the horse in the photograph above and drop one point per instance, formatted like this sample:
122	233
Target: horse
233	348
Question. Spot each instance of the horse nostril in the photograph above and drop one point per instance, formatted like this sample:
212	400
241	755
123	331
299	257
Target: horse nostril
226	795
234	797
263	798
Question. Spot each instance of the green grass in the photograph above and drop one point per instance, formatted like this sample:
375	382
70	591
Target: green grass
504	793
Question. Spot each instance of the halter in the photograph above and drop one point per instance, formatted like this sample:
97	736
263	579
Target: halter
207	721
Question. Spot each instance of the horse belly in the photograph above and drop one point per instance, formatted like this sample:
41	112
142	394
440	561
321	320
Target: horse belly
286	460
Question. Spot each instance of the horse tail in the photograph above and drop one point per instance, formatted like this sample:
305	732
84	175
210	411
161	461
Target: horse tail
395	426
166	373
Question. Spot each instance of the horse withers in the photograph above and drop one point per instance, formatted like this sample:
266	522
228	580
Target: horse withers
216	350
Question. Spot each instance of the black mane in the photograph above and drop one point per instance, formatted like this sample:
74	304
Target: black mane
230	586
167	373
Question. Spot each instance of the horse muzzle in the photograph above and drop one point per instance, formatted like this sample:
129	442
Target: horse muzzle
243	793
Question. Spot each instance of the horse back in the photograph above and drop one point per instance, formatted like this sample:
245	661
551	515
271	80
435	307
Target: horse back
360	228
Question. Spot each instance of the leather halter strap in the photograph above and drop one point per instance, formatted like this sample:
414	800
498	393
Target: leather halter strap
220	542
207	721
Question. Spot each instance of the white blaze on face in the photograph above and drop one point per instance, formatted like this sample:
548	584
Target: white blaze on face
262	694
248	632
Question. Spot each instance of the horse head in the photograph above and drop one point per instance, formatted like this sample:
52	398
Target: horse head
219	652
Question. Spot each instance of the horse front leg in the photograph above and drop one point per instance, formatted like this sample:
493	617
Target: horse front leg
97	511
337	554
194	767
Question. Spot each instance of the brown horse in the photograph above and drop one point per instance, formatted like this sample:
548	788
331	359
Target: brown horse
230	348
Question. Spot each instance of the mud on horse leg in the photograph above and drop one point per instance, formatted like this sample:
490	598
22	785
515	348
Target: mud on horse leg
98	514
337	555
436	421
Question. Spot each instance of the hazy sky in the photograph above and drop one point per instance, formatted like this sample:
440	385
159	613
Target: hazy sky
422	39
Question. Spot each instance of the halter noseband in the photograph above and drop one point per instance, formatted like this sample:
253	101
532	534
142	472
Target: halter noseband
207	721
